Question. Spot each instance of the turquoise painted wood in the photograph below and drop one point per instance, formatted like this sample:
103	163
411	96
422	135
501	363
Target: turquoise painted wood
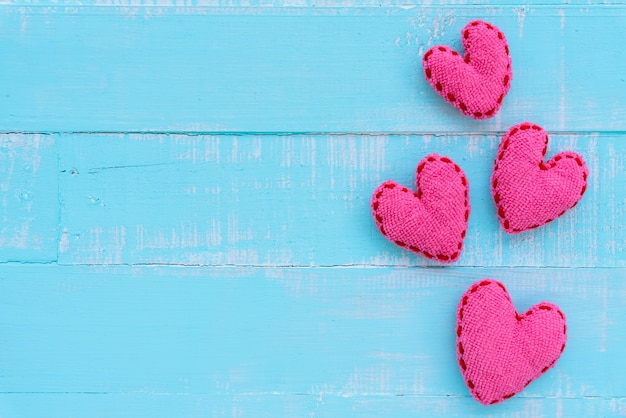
185	213
280	333
305	201
296	69
29	187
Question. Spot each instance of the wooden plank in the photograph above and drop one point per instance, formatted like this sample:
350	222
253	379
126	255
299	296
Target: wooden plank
29	207
309	69
292	405
294	4
304	201
376	336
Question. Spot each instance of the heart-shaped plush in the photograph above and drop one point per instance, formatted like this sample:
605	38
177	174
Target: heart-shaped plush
477	83
528	192
431	221
500	351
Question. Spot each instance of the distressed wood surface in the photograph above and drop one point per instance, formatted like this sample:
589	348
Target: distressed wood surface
305	201
29	190
272	405
186	228
297	69
286	341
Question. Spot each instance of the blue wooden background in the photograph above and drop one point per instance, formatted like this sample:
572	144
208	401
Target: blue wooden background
184	200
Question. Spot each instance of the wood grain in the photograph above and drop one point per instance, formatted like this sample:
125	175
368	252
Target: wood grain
186	228
29	205
305	201
272	405
308	69
263	337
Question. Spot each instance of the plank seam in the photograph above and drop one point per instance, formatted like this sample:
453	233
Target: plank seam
309	133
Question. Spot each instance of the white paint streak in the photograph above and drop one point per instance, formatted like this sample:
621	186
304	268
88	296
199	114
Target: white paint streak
64	242
368	380
559	408
521	13
234	154
616	171
313	163
25	20
20	161
562	78
474	145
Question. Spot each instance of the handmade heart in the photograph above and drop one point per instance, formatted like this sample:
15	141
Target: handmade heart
476	83
499	351
527	192
431	221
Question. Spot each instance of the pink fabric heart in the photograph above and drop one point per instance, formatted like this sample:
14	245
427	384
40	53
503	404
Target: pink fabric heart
432	221
499	351
528	192
477	83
